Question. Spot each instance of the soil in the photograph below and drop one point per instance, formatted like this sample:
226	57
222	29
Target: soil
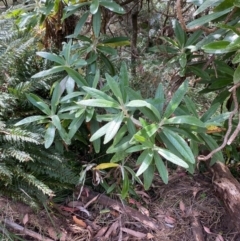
183	209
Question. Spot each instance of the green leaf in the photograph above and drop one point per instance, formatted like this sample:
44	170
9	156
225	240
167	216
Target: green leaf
80	24
148	176
113	127
56	97
126	185
162	170
39	103
116	42
206	4
183	60
184	119
56	122
100	103
212	144
191	106
136	148
124	81
236	76
176	99
30	119
171	157
75	125
179	33
98	94
207	18
180	145
143	103
53	70
107	50
96	24
52	57
94	126
76	76
114	86
49	135
194	38
112	6
94	6
145	163
108	64
219	47
100	132
210	112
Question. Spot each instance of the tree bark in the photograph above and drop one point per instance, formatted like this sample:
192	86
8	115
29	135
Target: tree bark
228	190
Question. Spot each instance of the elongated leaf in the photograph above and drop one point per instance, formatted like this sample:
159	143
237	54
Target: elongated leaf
49	135
107	50
180	145
219	47
98	94
30	119
176	99
145	163
74	126
185	119
76	76
179	33
126	185
56	122
236	76
80	23
191	106
55	98
53	70
94	6
100	103
106	165
53	57
194	38
114	86
212	144
148	176
207	18
100	132
205	5
143	103
94	126
108	64
113	127
210	112
162	170
120	134
171	157
39	103
97	23
112	6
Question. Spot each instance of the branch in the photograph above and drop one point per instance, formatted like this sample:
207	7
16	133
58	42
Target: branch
26	231
227	140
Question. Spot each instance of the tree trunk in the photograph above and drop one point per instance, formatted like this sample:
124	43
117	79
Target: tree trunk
228	190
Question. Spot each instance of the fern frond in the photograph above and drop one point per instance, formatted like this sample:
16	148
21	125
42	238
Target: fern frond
21	156
5	173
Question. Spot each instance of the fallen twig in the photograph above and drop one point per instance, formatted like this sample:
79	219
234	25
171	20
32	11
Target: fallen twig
26	231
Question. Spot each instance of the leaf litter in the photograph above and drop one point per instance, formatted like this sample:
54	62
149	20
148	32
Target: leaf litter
183	209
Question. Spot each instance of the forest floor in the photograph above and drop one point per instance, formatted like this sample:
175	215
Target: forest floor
186	209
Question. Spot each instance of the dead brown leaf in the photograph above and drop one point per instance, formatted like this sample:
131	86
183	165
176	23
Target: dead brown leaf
207	230
169	220
182	206
219	238
25	218
52	233
79	222
101	232
134	233
112	229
